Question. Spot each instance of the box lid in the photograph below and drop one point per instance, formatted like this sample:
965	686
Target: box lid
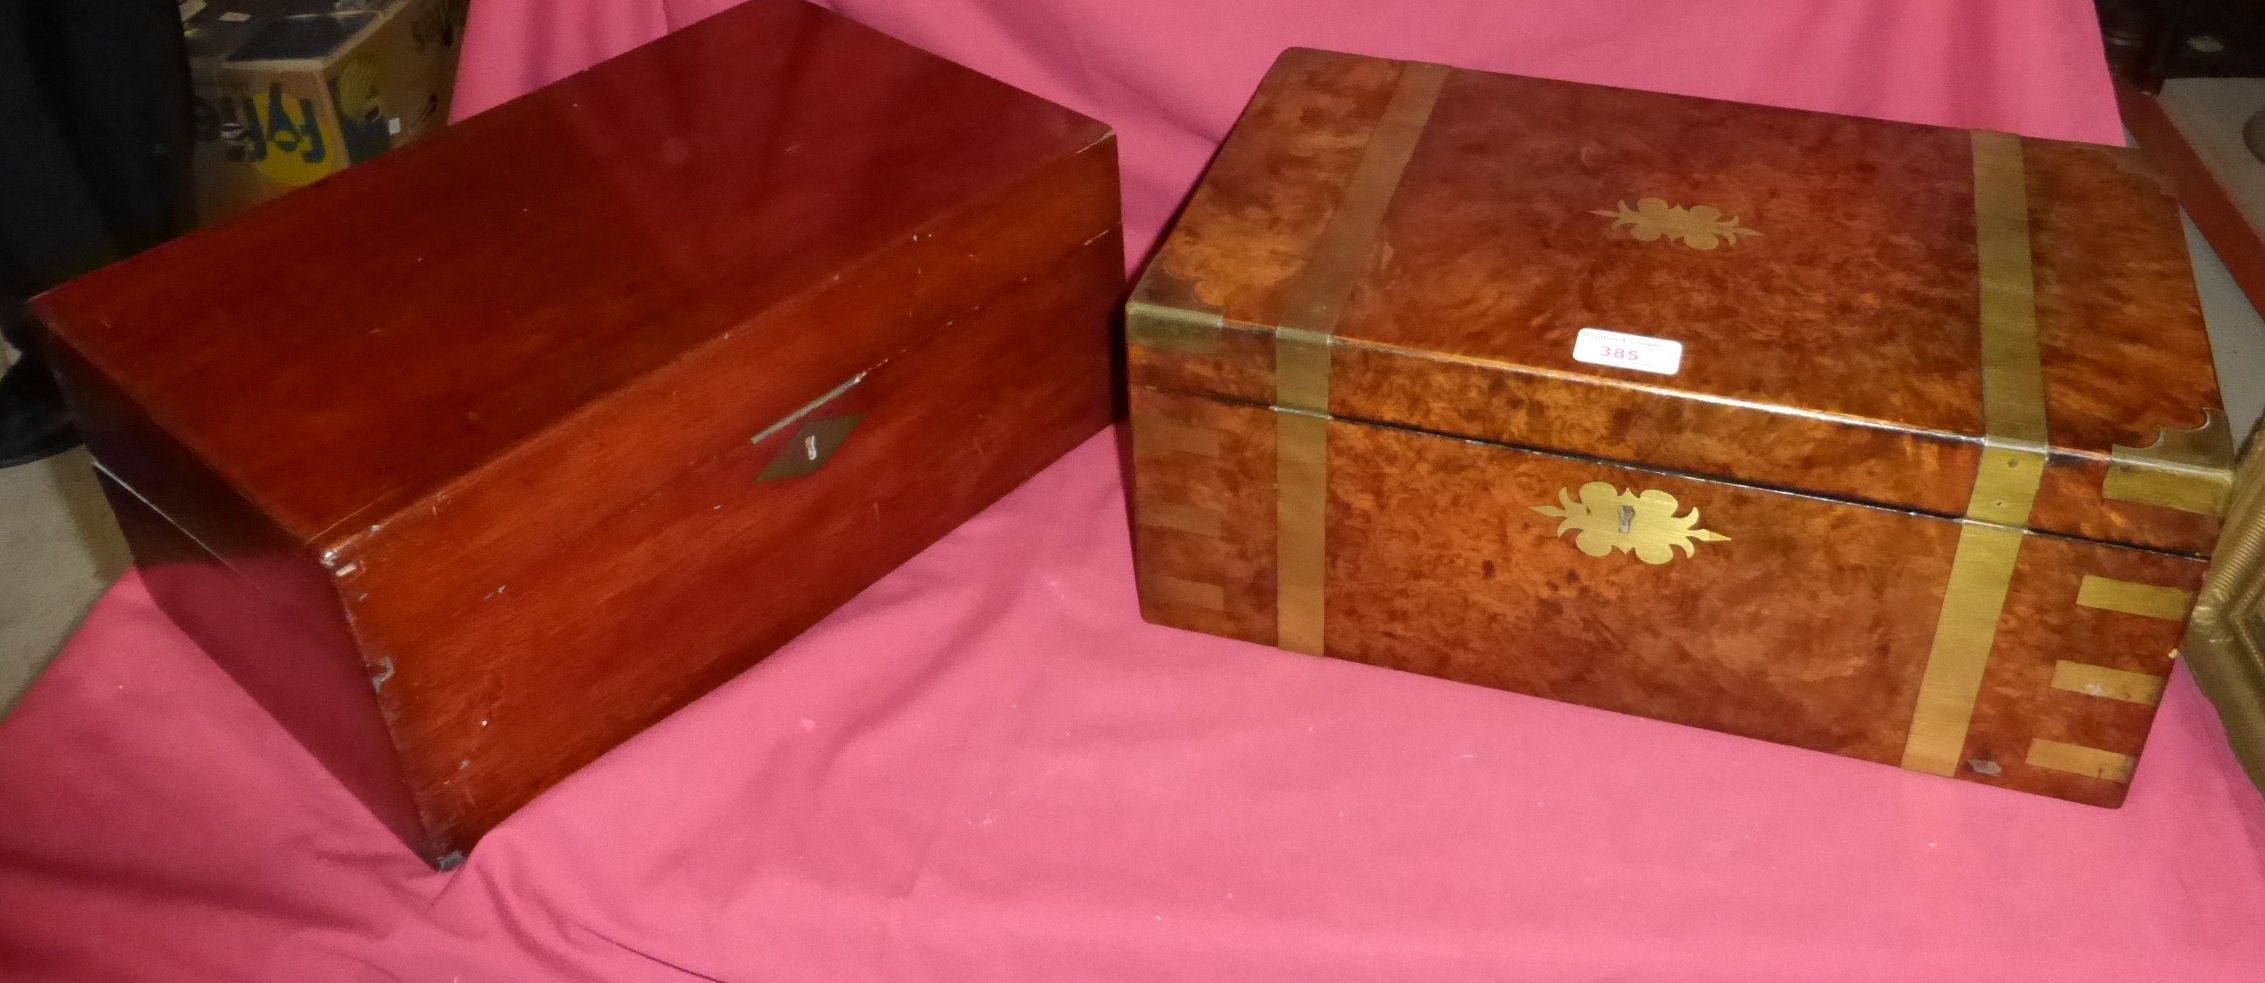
1855	308
356	347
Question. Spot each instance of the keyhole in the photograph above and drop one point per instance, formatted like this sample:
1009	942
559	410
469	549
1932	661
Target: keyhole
810	450
1627	518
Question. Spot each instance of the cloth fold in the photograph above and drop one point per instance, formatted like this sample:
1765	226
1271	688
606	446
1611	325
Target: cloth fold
988	768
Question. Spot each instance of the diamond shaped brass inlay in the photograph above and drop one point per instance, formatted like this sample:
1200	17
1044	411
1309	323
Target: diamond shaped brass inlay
812	445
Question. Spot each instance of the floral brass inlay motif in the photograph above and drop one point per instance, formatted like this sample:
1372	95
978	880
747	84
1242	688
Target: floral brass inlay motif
1699	227
1607	519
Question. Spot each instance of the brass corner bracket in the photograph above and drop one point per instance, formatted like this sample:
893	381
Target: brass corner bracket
2188	470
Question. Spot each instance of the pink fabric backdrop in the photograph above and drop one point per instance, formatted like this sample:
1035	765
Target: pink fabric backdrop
987	768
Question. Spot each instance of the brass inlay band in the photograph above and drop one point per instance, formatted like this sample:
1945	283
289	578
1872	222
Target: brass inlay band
1185	518
2014	445
1190	593
2013	373
1301	370
1301	466
2005	487
2108	684
1964	633
1316	297
2130	597
1313	302
1172	329
2188	470
2077	759
1154	434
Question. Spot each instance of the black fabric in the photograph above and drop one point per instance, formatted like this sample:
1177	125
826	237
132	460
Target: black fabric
33	422
94	163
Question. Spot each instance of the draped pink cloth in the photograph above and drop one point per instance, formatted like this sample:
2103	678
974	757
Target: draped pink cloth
988	768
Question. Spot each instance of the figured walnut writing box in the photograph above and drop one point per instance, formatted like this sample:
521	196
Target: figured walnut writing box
1892	441
474	460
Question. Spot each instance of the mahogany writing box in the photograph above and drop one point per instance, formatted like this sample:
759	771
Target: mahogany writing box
473	461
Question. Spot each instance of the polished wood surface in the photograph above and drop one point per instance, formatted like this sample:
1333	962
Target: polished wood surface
1827	418
683	188
300	664
627	610
495	408
1836	351
1809	626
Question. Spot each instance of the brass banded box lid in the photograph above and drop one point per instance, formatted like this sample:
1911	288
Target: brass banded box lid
1948	321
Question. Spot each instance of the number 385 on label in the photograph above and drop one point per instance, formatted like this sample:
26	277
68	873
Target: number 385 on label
1597	346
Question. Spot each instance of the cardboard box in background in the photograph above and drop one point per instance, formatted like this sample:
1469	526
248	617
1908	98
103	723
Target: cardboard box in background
288	91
